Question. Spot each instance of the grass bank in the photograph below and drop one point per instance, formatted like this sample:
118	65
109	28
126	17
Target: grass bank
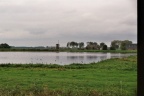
66	50
105	51
113	77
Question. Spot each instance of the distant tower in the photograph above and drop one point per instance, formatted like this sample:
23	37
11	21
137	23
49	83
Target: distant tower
57	45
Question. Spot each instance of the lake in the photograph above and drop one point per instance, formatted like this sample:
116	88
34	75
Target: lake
61	58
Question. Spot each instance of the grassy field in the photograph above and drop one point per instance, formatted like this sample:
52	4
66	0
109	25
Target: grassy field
113	77
66	50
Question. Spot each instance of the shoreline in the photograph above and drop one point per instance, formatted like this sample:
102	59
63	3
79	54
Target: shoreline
73	65
67	50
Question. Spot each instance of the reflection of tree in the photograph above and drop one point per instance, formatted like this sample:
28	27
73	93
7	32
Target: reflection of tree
81	57
76	59
72	57
102	57
91	57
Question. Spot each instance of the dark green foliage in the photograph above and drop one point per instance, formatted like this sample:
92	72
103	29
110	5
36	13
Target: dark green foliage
68	44
81	45
115	44
112	48
104	47
73	44
4	45
124	43
102	44
92	45
118	44
123	46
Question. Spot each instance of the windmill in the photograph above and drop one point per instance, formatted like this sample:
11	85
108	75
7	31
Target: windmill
57	45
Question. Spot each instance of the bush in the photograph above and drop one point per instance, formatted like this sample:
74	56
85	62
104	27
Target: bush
104	47
4	45
112	48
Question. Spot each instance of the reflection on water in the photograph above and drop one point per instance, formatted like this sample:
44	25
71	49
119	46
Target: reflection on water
57	57
91	57
72	57
61	58
103	57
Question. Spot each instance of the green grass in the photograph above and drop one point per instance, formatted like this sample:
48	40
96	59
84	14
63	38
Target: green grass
66	50
113	77
111	51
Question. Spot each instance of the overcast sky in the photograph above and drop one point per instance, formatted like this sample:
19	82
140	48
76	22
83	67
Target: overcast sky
44	22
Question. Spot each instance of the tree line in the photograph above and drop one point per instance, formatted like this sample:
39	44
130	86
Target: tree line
119	44
90	45
115	45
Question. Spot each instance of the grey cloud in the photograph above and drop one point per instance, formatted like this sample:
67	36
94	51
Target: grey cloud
131	23
134	3
80	20
37	31
100	37
78	37
130	20
70	11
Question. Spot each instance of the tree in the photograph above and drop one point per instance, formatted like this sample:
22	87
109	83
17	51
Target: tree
116	44
102	44
89	43
124	43
104	47
76	44
4	45
73	44
112	48
123	46
95	43
98	47
68	44
81	45
92	45
127	42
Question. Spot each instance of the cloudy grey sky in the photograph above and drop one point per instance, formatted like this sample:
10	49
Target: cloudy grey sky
44	22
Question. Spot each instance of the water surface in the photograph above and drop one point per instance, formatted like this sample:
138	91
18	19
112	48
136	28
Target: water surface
61	58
